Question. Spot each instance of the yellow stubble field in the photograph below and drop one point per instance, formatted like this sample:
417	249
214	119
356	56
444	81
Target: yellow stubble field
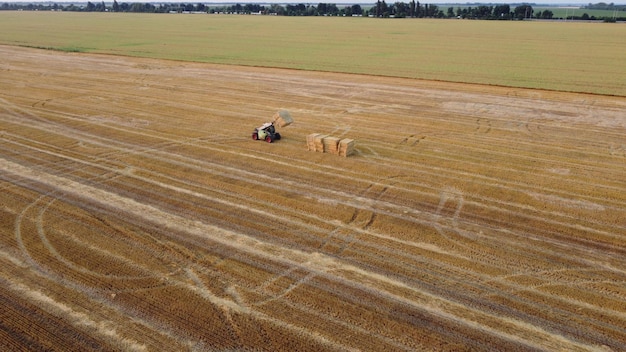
138	214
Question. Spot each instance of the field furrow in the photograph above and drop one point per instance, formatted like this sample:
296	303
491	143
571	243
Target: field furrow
469	217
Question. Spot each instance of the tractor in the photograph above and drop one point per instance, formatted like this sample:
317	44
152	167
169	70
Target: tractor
267	131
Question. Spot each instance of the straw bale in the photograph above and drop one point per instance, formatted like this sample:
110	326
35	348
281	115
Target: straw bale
283	118
310	141
319	142
331	145
328	144
346	147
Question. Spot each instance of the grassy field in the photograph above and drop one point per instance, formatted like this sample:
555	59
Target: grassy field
577	57
562	12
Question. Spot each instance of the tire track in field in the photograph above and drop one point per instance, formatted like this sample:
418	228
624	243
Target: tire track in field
288	290
101	179
40	206
118	291
475	160
361	218
244	178
289	257
65	186
97	325
171	157
488	200
224	305
511	186
135	279
509	141
383	160
454	195
513	289
486	238
282	292
553	214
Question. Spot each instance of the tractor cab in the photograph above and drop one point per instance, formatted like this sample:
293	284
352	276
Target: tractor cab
267	131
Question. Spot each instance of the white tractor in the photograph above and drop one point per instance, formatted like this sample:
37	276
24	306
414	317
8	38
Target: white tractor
267	131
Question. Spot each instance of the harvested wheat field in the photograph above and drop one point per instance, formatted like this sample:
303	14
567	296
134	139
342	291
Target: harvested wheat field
138	214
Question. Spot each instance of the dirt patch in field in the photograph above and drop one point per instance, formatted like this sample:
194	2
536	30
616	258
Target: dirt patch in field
137	213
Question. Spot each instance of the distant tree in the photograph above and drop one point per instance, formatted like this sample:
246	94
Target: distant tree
141	7
332	9
400	10
523	11
324	9
502	11
101	7
296	10
321	8
136	7
451	12
431	10
547	15
116	6
459	12
277	9
484	12
382	9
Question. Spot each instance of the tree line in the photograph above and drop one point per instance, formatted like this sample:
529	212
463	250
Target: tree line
381	9
605	6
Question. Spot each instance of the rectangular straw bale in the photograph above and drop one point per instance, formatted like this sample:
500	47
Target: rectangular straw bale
283	118
346	147
310	141
319	142
331	145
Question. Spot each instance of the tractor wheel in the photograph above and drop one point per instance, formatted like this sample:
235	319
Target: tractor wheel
255	136
277	136
269	139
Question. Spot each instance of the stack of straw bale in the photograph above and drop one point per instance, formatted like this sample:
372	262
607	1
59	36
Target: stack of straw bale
319	142
283	118
346	147
323	143
310	141
331	145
